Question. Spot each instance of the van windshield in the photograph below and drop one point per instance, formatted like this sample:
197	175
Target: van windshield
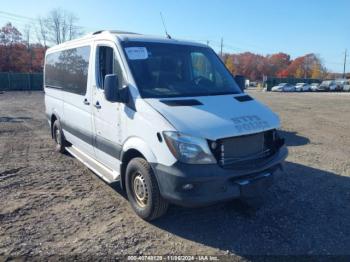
174	70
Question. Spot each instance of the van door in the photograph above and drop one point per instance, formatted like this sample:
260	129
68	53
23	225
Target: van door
77	110
106	115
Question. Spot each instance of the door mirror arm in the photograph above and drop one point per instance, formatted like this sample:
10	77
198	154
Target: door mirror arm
124	94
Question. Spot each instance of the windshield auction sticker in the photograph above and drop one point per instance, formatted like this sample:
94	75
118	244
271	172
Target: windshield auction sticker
136	53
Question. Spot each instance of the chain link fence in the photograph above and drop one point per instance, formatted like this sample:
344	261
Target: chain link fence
21	81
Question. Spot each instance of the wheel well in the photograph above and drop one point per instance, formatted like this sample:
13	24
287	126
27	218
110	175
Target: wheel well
126	158
53	119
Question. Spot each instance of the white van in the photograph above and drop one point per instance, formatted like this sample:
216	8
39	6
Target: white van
164	117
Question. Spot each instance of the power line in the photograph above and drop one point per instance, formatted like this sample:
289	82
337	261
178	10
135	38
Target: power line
18	24
22	19
18	19
16	15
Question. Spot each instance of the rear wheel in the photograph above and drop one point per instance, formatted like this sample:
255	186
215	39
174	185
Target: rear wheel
58	137
143	191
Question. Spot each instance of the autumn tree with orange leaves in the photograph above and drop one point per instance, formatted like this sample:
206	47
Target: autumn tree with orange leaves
277	63
16	55
255	67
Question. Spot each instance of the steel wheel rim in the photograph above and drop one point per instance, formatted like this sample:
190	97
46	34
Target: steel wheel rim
139	189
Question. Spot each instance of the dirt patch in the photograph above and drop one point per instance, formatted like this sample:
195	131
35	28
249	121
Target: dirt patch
54	207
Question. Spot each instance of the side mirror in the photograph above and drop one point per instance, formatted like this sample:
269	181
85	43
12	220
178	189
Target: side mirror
111	88
240	80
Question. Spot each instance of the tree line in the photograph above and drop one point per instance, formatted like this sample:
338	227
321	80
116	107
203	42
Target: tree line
24	51
255	67
17	55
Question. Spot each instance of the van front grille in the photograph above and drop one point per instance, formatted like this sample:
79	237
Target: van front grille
243	151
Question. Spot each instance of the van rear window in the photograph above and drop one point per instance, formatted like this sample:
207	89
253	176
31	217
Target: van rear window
68	70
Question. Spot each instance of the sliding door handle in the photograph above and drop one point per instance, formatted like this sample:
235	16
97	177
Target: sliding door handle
97	105
86	102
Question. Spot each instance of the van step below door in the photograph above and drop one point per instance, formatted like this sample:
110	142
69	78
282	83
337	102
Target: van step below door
99	169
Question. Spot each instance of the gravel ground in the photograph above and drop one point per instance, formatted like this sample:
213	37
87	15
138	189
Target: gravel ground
53	207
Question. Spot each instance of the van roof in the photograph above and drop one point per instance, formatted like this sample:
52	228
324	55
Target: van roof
123	36
131	36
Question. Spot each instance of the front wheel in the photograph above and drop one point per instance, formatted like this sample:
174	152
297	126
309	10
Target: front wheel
143	191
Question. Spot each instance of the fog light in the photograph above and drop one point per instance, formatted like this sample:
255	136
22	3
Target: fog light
187	187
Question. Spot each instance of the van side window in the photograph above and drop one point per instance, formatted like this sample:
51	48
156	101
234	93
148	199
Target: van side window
106	64
68	70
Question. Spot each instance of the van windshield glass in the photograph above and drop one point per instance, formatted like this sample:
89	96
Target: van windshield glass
171	70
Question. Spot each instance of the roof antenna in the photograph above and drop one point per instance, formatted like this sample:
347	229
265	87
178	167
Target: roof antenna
166	32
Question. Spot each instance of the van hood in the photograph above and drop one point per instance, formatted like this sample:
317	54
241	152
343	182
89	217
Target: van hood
216	117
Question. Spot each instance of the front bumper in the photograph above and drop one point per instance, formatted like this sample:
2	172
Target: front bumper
212	184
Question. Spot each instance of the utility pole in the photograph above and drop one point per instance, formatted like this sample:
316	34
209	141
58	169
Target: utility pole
222	44
346	51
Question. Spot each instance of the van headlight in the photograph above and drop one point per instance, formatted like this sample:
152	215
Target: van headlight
189	149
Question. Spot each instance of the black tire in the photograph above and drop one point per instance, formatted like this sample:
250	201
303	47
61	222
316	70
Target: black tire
58	137
139	175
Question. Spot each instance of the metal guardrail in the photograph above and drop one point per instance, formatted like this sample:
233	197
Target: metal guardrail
20	81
